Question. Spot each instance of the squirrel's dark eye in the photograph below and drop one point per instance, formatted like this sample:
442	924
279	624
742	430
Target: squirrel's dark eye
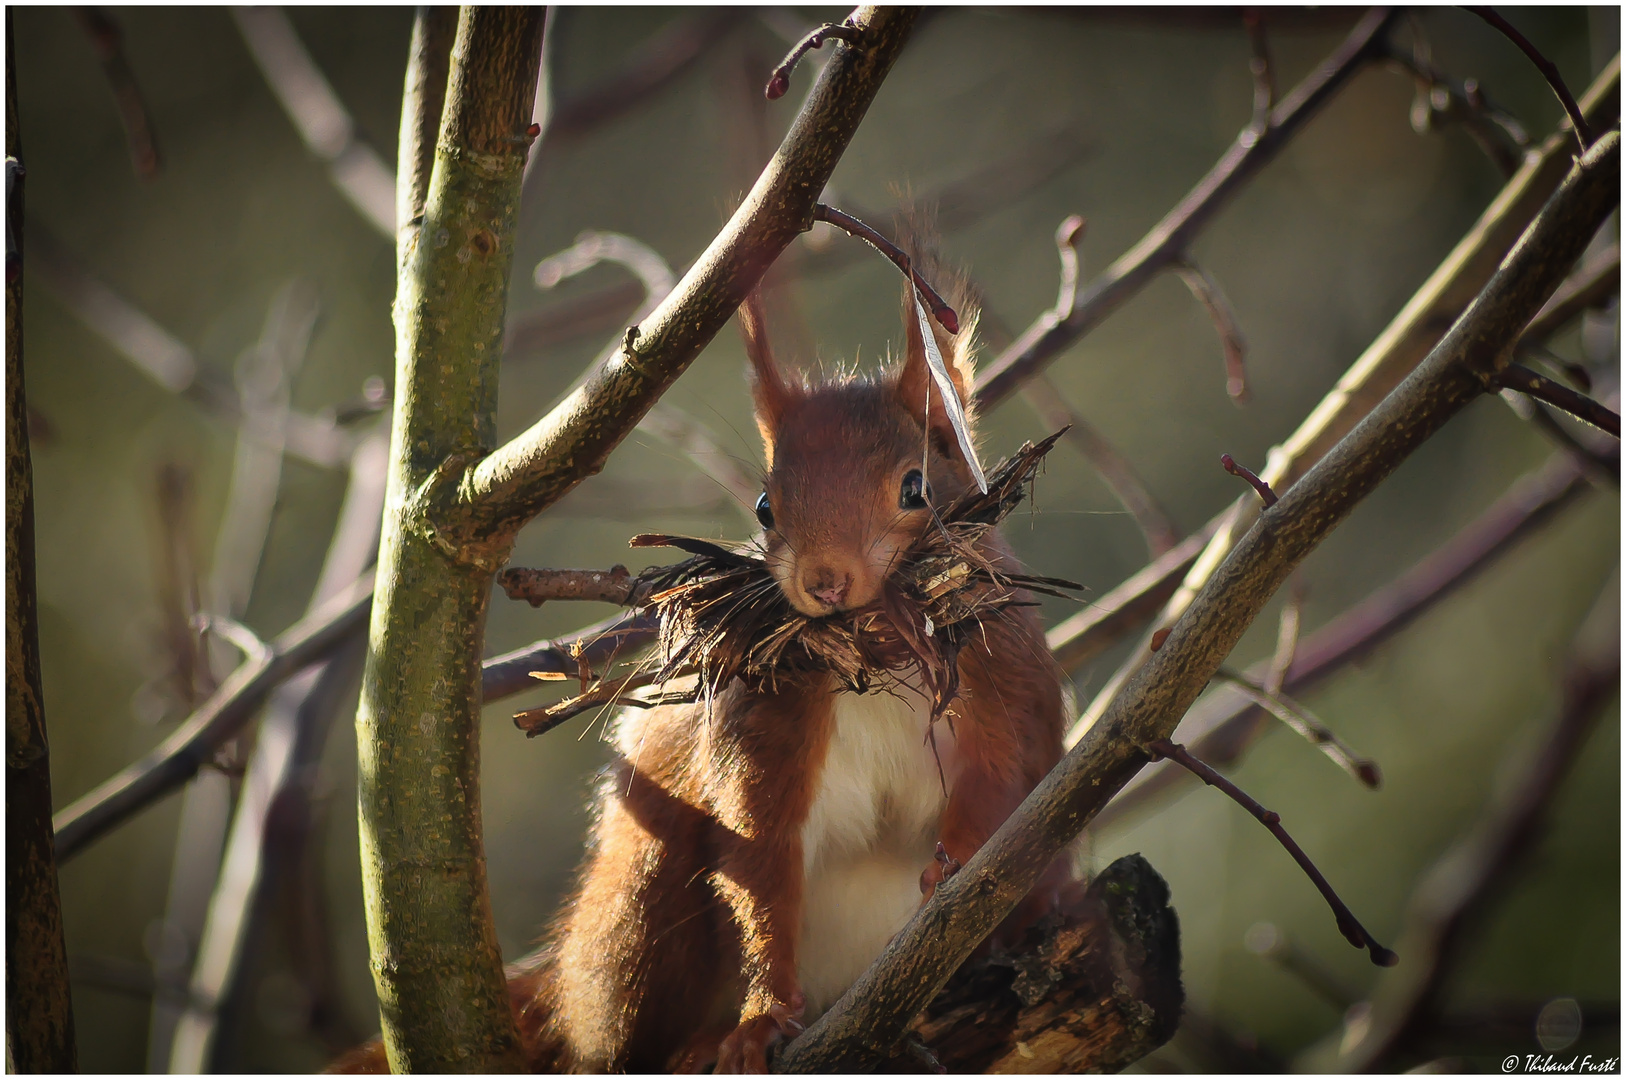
915	491
764	511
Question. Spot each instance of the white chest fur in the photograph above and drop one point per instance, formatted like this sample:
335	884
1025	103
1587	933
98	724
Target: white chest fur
872	829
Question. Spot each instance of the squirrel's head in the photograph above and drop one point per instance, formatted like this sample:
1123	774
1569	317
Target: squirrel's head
854	464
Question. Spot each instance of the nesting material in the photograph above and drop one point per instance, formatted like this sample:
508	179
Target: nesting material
722	616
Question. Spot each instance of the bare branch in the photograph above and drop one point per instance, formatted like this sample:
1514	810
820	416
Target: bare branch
615	586
1287	638
178	758
161	356
1172	237
964	909
1265	493
1081	637
853	227
1464	881
321	119
109	42
1212	297
1549	71
1220	727
779	81
1520	378
1348	925
1259	66
1402	345
517	481
1592	283
1307	725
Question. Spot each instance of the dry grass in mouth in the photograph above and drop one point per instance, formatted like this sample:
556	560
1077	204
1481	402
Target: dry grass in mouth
722	615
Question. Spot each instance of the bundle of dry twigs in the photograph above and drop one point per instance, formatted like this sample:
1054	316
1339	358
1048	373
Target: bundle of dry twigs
723	617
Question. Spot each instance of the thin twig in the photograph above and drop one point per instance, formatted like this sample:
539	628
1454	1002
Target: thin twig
1069	234
266	835
1467	878
162	357
1259	66
1265	493
1593	282
991	187
1520	378
1172	237
614	586
853	227
177	758
1212	297
138	132
1549	71
1601	467
1390	358
1348	925
1309	726
1492	129
1222	726
779	81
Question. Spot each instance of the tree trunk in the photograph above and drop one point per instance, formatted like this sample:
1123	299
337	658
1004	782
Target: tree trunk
436	964
39	1006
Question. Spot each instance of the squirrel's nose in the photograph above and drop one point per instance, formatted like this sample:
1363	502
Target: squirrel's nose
829	588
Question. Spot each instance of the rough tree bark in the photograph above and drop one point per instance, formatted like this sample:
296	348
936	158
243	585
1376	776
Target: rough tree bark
435	959
39	1007
1091	990
456	501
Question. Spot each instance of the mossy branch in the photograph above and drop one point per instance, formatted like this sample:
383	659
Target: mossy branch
869	1019
501	492
437	967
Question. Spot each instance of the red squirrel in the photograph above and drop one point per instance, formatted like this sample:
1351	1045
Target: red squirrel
746	866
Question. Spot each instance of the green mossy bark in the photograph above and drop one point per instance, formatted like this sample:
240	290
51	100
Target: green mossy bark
436	963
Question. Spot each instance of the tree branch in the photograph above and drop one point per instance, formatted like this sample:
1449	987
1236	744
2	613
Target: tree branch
512	485
437	966
324	124
109	44
1388	360
1221	726
1549	71
1464	881
1348	925
177	759
874	1013
1520	378
1168	241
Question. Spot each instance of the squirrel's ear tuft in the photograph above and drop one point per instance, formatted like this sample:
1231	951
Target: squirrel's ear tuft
769	390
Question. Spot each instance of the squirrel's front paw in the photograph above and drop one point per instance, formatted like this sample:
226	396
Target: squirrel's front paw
943	867
745	1050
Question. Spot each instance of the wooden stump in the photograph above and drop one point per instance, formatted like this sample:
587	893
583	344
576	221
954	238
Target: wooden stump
1092	988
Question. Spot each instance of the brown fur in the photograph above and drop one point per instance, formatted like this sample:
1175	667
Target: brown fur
679	946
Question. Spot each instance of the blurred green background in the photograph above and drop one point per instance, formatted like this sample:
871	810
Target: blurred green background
1316	255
